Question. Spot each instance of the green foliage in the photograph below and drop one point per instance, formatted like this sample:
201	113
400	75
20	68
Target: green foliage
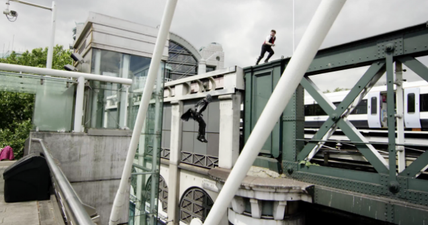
38	56
340	89
16	138
16	109
336	90
307	163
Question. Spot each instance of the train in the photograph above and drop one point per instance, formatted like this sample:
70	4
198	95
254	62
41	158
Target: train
370	113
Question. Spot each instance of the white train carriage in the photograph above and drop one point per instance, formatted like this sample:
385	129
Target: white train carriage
370	113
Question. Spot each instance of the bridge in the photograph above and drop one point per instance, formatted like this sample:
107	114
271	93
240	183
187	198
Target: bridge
177	179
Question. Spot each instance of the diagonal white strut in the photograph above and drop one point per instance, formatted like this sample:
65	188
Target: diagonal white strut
290	79
119	200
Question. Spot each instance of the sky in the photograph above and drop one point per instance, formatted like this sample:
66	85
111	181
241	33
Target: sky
240	26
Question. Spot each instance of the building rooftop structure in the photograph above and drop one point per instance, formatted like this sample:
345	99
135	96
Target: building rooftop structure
181	57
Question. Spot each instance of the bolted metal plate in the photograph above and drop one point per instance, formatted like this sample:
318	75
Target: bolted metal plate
395	45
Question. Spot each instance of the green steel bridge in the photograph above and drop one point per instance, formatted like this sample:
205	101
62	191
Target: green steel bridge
392	190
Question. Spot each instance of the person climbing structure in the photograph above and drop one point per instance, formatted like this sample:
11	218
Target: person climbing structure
267	47
196	114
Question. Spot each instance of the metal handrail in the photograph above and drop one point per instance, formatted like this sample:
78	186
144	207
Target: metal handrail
77	211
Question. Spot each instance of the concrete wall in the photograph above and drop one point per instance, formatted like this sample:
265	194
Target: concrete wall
118	35
92	163
190	177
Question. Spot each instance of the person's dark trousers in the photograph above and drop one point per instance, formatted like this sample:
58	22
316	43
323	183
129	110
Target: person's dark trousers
202	125
265	48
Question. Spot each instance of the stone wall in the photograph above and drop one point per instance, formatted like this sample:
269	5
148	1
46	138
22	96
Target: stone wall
92	162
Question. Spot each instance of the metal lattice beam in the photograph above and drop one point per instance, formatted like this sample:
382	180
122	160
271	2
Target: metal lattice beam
335	116
415	65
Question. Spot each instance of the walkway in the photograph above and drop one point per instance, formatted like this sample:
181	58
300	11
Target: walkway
29	213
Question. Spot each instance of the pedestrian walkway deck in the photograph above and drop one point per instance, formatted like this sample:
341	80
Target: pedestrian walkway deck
29	213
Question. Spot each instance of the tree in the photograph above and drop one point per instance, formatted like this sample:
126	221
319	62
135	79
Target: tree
340	89
16	109
38	56
336	90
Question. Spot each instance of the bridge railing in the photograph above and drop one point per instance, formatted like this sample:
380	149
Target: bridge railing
61	96
74	211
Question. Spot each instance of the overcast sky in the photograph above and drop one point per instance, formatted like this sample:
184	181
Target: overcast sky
238	25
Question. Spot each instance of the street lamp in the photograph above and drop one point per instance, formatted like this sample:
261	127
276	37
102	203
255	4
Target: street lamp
12	16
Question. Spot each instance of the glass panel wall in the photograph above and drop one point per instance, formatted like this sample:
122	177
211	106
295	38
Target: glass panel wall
145	174
115	106
181	62
54	104
54	98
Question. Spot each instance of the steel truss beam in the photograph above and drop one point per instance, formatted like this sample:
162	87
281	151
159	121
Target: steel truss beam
404	196
336	116
403	188
420	164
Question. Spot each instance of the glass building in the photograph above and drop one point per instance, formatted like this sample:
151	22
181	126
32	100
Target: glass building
181	62
118	48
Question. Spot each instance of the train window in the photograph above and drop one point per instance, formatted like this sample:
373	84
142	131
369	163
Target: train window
411	103
373	101
423	106
361	108
314	110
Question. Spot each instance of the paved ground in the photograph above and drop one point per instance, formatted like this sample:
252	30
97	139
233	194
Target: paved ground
19	213
27	213
30	213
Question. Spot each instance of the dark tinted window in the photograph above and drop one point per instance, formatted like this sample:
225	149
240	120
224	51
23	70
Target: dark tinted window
374	105
411	103
361	108
423	102
314	110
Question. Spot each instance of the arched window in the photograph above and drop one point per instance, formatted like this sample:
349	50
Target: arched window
181	62
195	203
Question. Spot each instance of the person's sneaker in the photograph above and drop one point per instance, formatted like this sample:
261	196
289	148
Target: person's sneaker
202	139
266	61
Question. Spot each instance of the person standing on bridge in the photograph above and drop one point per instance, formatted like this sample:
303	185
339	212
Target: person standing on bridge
267	47
196	114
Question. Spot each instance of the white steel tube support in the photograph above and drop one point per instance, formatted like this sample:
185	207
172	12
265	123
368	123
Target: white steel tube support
400	117
290	79
78	107
62	73
52	38
119	200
